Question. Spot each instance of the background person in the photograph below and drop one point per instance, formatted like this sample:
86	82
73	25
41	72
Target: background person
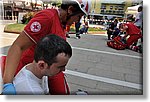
67	31
112	29
77	27
132	31
85	28
139	18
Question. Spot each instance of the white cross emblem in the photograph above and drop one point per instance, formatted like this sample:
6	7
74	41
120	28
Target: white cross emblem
35	27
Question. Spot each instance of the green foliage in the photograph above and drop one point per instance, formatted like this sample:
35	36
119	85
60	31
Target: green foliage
20	27
90	29
95	29
27	17
14	27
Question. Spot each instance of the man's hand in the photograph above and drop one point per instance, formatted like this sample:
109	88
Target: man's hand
9	89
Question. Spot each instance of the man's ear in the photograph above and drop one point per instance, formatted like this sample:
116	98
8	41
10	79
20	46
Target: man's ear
70	9
42	64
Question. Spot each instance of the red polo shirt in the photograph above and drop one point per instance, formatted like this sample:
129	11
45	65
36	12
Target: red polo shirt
43	23
132	29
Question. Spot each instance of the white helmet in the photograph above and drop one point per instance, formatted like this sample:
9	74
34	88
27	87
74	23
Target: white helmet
83	4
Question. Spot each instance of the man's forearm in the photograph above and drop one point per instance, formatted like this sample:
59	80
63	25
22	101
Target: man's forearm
12	62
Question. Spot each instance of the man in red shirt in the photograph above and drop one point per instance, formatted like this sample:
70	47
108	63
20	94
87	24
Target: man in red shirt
132	31
48	21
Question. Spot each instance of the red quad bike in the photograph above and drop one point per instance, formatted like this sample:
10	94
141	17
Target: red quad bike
117	43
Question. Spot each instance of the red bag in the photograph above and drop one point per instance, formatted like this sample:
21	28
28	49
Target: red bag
116	43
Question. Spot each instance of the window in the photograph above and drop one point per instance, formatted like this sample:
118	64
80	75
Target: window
111	7
114	11
102	11
103	7
120	8
116	7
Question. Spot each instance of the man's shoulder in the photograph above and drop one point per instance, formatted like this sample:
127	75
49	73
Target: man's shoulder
25	77
49	12
22	74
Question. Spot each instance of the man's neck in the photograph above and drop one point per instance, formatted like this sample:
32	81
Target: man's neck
33	68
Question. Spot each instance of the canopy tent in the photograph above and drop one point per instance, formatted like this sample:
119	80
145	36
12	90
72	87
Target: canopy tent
132	10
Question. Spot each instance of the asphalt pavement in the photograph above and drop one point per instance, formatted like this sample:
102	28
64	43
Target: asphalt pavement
94	67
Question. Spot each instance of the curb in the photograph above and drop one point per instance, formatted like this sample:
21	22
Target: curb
6	31
15	32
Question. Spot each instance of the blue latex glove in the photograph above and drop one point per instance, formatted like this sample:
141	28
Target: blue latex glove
123	40
9	89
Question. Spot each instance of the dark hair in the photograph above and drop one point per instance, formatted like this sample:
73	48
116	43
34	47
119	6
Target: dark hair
140	8
116	20
121	25
66	3
49	47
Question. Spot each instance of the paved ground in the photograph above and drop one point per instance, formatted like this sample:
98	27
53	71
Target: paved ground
95	67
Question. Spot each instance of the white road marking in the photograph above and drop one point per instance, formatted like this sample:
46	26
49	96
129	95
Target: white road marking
105	52
2	54
8	38
104	79
11	34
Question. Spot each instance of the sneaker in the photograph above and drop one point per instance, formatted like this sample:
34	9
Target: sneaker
78	37
68	36
81	92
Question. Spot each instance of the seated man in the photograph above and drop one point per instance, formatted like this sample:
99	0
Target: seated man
115	32
84	29
112	29
52	54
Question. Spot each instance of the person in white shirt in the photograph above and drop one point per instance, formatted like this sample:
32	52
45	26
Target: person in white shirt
139	17
52	54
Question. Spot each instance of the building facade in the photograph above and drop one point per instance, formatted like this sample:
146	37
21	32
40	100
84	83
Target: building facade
112	7
11	8
99	8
